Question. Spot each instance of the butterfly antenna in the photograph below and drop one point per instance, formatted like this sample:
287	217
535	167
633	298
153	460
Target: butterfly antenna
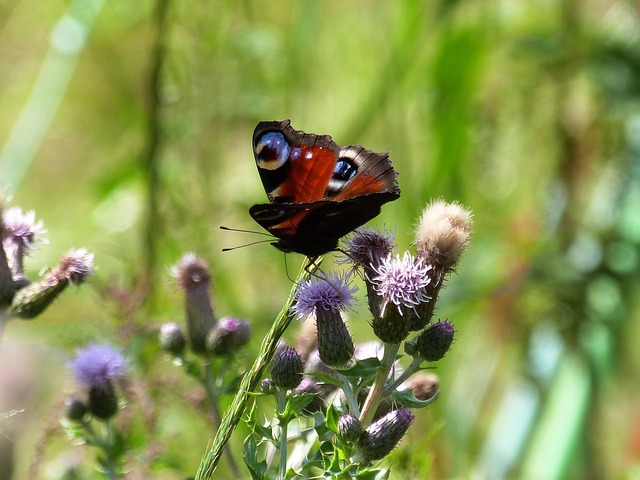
229	229
245	245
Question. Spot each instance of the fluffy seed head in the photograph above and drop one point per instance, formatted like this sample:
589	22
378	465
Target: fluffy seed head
21	230
443	233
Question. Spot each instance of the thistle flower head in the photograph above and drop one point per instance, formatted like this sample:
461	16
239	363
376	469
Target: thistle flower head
97	365
333	294
172	338
191	272
377	441
194	278
402	281
368	247
75	266
286	369
434	342
228	336
21	230
443	233
349	427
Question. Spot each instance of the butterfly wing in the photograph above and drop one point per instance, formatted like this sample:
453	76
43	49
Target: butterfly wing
319	191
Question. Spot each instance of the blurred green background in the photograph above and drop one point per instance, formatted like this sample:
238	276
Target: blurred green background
127	128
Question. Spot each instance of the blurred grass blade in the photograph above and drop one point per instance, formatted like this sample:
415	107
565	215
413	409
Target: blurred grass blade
68	38
559	429
252	377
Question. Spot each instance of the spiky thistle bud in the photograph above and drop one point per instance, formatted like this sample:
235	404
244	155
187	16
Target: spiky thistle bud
172	339
96	368
349	427
434	342
73	268
286	369
379	438
194	278
75	409
401	284
325	299
228	336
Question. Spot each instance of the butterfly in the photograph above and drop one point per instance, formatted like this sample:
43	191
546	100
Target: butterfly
318	191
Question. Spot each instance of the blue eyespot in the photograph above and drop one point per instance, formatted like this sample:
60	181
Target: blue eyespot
344	170
272	150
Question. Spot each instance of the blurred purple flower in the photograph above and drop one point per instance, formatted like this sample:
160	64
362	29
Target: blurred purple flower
96	365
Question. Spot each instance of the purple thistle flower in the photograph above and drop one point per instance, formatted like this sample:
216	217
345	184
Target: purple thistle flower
402	281
368	247
21	231
97	365
332	294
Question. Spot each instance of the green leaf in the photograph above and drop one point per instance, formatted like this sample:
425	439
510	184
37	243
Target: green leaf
256	467
332	419
361	368
297	403
408	399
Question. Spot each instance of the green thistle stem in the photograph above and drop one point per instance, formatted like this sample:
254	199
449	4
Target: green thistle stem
413	368
281	398
375	395
252	378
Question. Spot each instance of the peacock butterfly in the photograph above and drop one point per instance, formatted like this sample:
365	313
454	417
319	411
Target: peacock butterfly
318	190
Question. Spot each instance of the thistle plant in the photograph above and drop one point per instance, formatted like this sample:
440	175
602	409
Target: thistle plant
367	403
89	417
20	297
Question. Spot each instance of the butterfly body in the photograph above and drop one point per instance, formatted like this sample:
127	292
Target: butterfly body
318	191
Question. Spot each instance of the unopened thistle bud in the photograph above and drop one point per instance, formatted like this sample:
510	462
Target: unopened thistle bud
228	336
377	441
349	427
443	234
96	368
75	409
325	299
73	268
401	285
434	342
172	338
193	276
286	369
